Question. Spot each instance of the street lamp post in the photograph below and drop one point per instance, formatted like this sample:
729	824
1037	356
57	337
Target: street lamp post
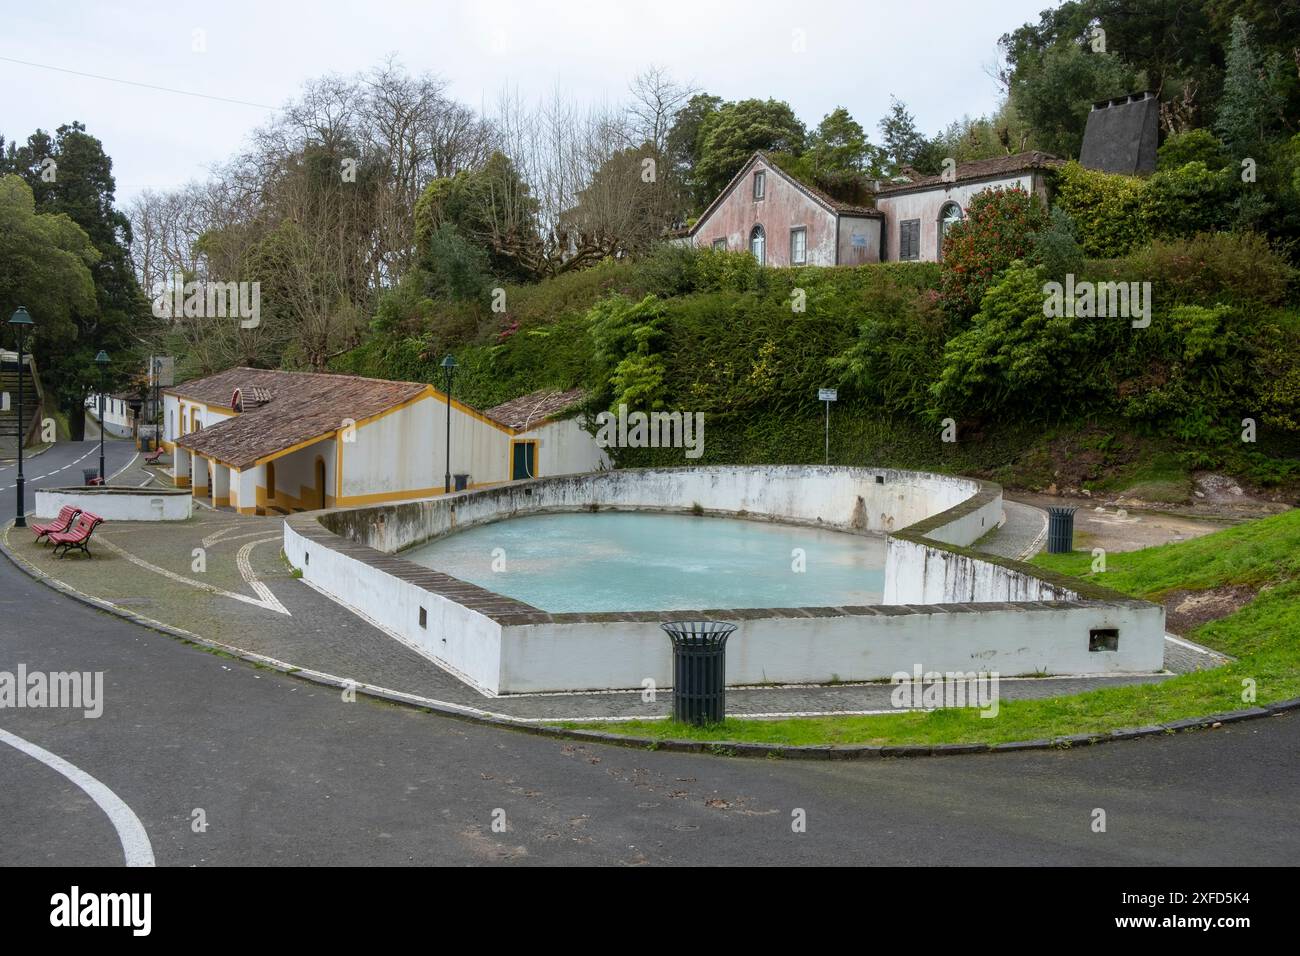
20	321
449	366
157	404
102	361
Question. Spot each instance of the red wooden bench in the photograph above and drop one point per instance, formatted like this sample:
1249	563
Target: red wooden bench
67	515
153	456
79	536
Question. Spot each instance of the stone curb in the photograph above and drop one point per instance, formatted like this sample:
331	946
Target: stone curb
722	748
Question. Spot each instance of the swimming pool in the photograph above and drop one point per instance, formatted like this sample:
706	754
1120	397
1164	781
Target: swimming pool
640	561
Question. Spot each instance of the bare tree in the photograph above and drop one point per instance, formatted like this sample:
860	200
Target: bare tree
656	100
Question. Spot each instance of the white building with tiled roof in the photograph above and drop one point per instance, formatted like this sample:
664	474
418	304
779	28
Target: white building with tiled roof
259	440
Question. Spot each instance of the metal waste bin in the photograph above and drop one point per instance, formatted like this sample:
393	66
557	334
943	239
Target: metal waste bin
1060	530
89	476
462	482
699	670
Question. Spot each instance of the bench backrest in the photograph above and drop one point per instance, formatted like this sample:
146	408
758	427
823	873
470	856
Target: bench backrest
87	523
66	514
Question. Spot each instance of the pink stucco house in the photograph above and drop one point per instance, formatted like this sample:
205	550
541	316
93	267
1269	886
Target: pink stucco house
785	222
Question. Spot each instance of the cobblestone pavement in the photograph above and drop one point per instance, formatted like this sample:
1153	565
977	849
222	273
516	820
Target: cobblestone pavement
1021	536
221	576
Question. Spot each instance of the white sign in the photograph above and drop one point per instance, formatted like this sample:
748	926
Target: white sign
826	395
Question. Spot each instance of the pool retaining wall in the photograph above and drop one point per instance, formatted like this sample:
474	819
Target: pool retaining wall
949	608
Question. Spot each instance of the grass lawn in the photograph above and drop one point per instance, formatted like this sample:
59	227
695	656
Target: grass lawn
1264	636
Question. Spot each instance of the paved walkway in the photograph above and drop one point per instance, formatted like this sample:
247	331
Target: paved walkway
1021	535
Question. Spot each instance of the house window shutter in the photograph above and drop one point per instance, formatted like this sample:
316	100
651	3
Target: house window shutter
909	239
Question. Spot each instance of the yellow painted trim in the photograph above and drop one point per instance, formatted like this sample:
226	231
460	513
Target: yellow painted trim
353	500
429	392
510	458
338	464
181	481
247	511
292	448
322	492
221	501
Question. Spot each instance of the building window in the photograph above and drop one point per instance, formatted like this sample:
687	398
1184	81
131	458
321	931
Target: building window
798	246
949	216
720	245
760	183
758	244
909	239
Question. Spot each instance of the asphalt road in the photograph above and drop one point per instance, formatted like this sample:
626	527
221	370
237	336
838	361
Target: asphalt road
283	772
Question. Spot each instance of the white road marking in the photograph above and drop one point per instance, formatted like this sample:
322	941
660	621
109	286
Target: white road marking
1195	647
216	538
265	599
1037	543
130	831
239	526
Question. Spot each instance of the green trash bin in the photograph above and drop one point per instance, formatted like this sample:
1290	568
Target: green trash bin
1060	530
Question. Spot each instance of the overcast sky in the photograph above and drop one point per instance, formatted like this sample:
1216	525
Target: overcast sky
931	53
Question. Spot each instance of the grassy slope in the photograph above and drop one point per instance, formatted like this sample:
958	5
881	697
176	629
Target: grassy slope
1264	636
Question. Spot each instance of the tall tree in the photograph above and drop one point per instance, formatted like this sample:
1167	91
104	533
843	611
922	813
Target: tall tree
1055	95
903	142
1252	102
69	173
684	143
839	151
732	134
45	265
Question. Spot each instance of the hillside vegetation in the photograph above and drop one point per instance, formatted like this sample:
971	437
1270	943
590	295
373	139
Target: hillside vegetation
1079	403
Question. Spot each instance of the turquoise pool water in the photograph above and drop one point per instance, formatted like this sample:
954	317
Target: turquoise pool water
638	561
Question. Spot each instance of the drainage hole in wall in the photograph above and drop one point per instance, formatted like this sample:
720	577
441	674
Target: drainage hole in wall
424	618
1103	639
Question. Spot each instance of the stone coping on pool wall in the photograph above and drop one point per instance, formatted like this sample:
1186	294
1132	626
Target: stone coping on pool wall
948	607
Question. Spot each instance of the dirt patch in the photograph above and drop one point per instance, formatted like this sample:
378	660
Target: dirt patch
1187	609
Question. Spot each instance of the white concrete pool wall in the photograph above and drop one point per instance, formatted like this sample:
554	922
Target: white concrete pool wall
946	609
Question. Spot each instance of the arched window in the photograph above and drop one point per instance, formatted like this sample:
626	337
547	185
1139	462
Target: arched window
949	215
758	244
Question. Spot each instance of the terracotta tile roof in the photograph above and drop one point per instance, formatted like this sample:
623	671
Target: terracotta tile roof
302	406
981	169
528	411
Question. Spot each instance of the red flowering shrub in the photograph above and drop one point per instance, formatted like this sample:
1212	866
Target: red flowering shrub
994	233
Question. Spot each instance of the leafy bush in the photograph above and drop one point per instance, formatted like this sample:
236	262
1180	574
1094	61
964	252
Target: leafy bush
1212	267
1189	199
1055	247
995	232
898	351
1191	146
624	336
1013	356
1107	210
455	268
